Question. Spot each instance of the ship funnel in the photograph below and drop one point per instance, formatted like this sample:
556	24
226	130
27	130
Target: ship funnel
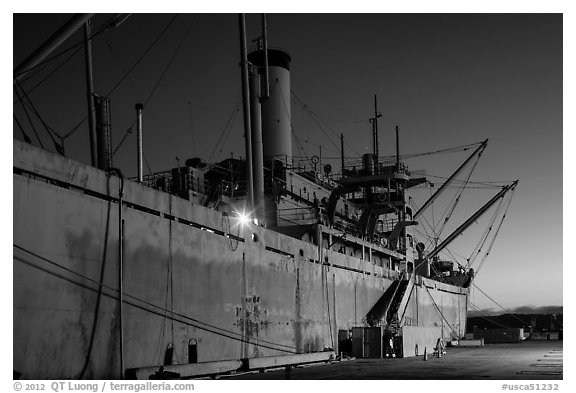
276	115
368	160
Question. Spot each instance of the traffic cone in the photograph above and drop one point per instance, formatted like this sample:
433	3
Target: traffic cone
425	354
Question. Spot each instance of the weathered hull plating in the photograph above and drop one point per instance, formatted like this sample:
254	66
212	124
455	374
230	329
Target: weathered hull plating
189	274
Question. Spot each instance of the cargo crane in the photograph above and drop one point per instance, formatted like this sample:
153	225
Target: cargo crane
423	263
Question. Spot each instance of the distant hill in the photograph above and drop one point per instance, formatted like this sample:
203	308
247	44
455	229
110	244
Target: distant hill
552	321
520	310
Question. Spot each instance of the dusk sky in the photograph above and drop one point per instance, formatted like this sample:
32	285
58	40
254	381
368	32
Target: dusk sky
445	79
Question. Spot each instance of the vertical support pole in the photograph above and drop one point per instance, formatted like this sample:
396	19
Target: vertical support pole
257	147
121	287
90	93
120	268
375	131
266	83
335	323
319	242
342	153
139	108
246	112
244	348
397	149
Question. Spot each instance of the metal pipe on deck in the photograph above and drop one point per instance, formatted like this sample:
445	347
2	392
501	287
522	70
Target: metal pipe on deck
53	42
121	288
139	108
118	173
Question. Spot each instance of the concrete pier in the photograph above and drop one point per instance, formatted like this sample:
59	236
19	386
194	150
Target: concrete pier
533	360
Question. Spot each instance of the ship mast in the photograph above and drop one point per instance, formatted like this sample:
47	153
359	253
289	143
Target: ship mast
90	93
246	112
374	121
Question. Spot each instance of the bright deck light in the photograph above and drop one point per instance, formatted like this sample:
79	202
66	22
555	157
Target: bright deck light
244	218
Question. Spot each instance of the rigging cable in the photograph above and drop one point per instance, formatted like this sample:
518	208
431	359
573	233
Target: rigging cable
26	137
184	319
59	148
56	69
155	87
486	184
426	234
225	131
307	109
123	78
194	151
450	209
310	113
31	123
496	303
143	55
486	317
495	234
102	29
226	224
296	139
100	282
441	151
440	311
478	248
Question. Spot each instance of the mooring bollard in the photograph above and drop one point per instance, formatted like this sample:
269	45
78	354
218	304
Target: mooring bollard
287	372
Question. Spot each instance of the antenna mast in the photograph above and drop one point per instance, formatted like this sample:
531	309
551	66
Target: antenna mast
374	121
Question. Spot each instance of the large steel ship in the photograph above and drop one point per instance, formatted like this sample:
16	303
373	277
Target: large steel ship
241	264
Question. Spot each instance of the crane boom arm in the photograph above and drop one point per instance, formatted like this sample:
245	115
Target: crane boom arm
470	220
51	44
430	200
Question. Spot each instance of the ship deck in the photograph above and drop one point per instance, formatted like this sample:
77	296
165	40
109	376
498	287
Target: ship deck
529	360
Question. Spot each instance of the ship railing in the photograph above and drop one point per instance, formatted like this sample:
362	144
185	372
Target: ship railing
160	180
232	188
164	181
297	215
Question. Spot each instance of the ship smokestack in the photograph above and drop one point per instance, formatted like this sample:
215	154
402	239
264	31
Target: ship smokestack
276	115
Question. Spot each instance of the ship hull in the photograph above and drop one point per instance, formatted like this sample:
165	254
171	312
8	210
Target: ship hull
192	276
